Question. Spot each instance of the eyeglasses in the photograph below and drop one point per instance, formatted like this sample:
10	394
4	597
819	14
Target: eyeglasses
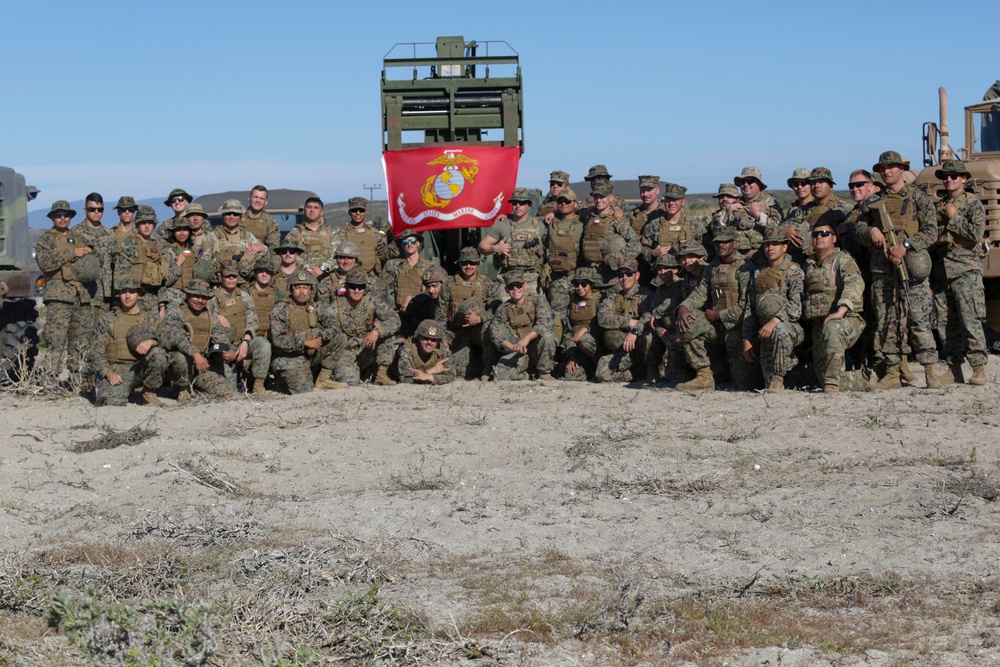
822	234
407	241
798	183
178	199
950	177
858	184
626	273
515	286
95	209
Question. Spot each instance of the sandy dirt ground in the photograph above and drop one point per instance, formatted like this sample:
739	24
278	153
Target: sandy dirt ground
563	524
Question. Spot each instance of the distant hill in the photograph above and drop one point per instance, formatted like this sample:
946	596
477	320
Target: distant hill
40	218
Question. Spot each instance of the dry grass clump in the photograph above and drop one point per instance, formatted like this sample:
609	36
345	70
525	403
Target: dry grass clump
206	474
111	438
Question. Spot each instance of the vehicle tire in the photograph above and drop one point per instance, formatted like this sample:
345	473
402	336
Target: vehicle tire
11	338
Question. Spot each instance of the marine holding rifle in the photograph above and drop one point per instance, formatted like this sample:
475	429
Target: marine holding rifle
899	224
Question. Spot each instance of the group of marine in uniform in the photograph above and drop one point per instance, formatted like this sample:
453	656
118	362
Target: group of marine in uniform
752	298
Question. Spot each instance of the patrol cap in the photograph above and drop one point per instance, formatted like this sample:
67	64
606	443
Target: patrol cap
628	264
229	268
178	192
800	174
597	171
559	177
125	202
674	191
357	202
232	206
412	234
612	243
265	263
347	249
195	209
290	244
727	190
953	167
198	287
468	254
145	214
434	274
690	247
302	278
181	223
356	277
821	174
890	159
588	274
649	181
512	277
775	235
130	284
170	295
61	206
724	235
667	260
430	329
602	189
520	194
748	174
568	195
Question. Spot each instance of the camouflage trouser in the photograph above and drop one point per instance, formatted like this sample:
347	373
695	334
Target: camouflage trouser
704	334
296	373
560	293
621	366
184	375
893	319
585	353
146	373
348	358
258	361
541	358
777	353
669	355
66	334
472	352
961	307
830	342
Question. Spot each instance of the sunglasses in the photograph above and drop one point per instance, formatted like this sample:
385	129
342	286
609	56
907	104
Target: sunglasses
356	210
357	287
626	273
95	209
468	263
288	251
515	286
407	241
822	234
520	203
127	210
798	184
580	283
858	184
950	177
227	213
178	199
61	214
563	202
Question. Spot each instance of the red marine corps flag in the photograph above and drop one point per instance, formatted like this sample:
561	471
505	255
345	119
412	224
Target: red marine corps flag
448	187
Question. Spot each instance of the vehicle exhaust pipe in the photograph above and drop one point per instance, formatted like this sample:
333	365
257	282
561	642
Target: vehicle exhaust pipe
945	153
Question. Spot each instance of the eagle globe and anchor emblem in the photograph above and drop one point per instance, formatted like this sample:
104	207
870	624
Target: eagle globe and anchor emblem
441	189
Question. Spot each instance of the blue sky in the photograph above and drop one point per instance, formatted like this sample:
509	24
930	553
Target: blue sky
138	98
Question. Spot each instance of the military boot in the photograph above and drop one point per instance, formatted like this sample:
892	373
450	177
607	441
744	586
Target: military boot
382	377
325	380
258	386
705	379
934	381
831	388
905	374
777	385
890	380
978	376
150	398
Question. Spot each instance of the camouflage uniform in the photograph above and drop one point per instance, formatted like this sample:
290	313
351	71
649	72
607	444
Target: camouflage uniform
511	323
348	357
957	279
264	228
614	315
662	232
784	284
223	247
374	246
834	282
318	244
401	280
184	334
461	297
804	218
596	228
750	231
410	357
581	314
670	354
527	241
151	262
102	240
292	324
240	309
118	334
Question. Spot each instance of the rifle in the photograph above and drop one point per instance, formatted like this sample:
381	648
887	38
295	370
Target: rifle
889	229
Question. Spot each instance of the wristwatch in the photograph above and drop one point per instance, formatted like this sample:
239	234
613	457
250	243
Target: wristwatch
634	331
906	244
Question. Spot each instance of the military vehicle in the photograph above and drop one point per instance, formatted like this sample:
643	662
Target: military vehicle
981	153
451	97
22	281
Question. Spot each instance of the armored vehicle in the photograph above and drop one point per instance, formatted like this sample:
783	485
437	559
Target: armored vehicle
22	282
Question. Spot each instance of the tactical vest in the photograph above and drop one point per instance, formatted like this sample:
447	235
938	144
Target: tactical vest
594	232
672	233
302	320
627	305
231	307
409	282
366	238
187	268
822	285
318	244
121	233
582	313
903	212
200	326
117	350
521	257
364	324
460	291
724	290
229	245
419	363
521	318
948	240
771	279
639	220
563	246
263	303
148	268
255	226
63	243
